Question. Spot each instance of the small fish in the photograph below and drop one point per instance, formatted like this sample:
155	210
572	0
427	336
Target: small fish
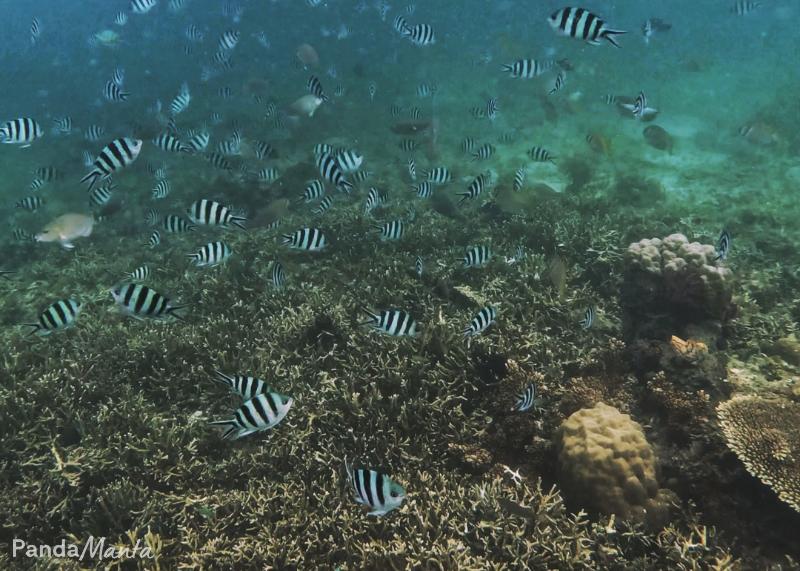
264	150
418	266
245	386
306	239
526	399
408	145
349	161
260	413
212	213
519	179
36	31
323	205
374	199
483	152
63	125
723	245
161	190
140	301
22	131
60	315
198	141
119	76
193	33
541	155
278	275
647	30
314	190
438	175
482	320
21	235
467	145
745	7
314	87
639	105
174	224
528	68
330	171
228	40
375	490
181	101
421	34
151	217
268	175
394	322
491	109
475	188
102	194
392	230
582	24
212	254
154	240
423	189
31	203
477	256
588	318
140	274
93	133
117	155
412	169
373	89
142	6
121	19
559	83
400	25
219	161
425	89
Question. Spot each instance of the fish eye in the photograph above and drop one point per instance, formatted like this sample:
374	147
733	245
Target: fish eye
394	494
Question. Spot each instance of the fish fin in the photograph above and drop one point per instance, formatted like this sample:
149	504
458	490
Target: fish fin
91	178
36	328
171	311
609	35
68	245
237	221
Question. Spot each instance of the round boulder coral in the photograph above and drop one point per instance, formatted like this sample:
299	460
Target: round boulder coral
608	467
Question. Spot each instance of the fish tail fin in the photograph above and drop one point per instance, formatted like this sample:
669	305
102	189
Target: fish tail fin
237	221
36	328
171	311
91	178
609	36
373	317
231	431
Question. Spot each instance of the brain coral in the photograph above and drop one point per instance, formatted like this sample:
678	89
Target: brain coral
765	435
607	465
684	272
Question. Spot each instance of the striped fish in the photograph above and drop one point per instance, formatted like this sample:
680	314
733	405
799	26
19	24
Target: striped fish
477	256
421	35
63	125
212	254
22	131
121	19
438	175
161	189
142	6
112	92
140	301
392	230
171	143
526	399
483	152
307	239
36	31
374	199
394	322
181	101
528	68
559	83
228	40
245	386
323	205
482	320
588	318
175	224
740	8
519	179
60	315
541	155
423	189
151	217
374	489
102	194
475	188
412	169
212	213
418	266
154	240
723	246
117	155
93	133
314	190
582	24
330	171
278	275
140	274
32	203
260	413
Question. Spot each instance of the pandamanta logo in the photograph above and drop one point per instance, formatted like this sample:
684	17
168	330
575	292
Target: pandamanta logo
95	548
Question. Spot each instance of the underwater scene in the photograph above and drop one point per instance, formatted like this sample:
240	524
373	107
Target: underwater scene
400	285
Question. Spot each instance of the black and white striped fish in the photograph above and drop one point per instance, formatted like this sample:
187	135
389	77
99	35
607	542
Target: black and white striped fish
36	31
260	413
475	188
323	205
588	318
372	88
581	24
22	131
117	155
181	101
63	125
392	230
21	235
264	150
418	267
169	142
212	213
360	177
723	245
438	175
477	256
541	155
60	315
558	83
330	171
198	141
140	301
483	152
400	25
519	179
374	199
491	108
314	190
102	194
528	68
121	19
228	40
142	6
154	239
425	89
32	203
174	224
322	149
395	322
245	386
412	169
219	161
374	489
119	76
468	144
161	189
423	189
421	34
268	175
193	33
526	399
408	145
745	7
151	217
93	133
306	239
415	113
278	275
349	161
314	87
48	174
140	274
639	105
482	320
212	254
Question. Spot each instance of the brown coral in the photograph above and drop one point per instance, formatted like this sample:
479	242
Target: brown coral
765	435
608	466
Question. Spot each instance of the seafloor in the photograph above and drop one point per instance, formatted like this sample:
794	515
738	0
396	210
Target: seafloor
104	426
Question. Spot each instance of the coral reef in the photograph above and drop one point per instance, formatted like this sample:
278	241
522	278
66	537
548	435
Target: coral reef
607	465
765	435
